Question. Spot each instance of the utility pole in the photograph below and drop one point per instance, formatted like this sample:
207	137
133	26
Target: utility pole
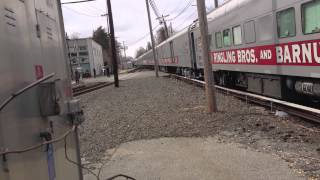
108	28
155	58
113	46
171	30
124	50
69	56
208	74
163	21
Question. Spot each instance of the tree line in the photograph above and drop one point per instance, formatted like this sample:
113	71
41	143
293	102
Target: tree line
161	36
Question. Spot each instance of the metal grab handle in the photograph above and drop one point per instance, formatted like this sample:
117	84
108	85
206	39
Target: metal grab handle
121	175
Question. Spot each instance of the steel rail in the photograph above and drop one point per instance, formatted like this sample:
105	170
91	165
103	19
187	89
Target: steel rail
87	89
301	111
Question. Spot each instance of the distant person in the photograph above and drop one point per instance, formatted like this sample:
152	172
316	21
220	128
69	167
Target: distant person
94	72
108	72
77	76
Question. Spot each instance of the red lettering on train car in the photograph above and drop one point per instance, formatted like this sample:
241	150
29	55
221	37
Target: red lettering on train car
38	71
305	53
165	61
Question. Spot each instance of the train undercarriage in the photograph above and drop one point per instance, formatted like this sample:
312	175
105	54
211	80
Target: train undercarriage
305	91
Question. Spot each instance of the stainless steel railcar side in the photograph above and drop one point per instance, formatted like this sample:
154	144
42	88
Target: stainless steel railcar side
32	45
271	55
274	28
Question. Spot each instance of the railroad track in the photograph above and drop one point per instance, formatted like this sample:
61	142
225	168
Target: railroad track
89	88
301	111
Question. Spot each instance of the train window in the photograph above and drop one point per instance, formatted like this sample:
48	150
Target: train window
237	35
265	28
82	48
218	40
249	32
83	53
286	23
227	37
310	17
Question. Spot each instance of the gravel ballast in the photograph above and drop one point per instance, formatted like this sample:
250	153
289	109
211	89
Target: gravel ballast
146	107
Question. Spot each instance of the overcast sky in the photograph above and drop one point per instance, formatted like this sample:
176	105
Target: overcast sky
130	18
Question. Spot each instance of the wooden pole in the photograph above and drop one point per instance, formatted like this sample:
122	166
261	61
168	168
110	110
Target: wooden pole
113	46
208	73
155	58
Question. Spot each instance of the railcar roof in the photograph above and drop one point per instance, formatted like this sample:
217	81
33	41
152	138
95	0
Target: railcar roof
226	7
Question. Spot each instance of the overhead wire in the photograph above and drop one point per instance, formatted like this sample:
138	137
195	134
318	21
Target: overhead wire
186	19
182	11
143	37
155	8
177	8
97	9
88	9
81	13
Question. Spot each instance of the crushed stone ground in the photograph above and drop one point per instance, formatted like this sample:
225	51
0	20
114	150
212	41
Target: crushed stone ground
146	107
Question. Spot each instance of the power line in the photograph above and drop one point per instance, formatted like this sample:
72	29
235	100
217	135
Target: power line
143	37
155	8
177	8
87	9
81	13
186	19
182	11
95	8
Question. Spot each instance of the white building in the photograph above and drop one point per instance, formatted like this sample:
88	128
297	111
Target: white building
85	56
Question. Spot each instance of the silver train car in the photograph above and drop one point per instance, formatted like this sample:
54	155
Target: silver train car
265	47
32	46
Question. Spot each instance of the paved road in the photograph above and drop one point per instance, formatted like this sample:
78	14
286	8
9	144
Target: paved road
194	159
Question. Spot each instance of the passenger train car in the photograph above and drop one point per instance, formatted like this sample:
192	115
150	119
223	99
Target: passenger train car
265	47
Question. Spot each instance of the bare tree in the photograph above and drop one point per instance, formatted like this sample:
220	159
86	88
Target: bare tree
140	51
101	36
75	35
161	35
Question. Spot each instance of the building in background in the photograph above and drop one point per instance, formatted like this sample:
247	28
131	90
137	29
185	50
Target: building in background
126	62
85	56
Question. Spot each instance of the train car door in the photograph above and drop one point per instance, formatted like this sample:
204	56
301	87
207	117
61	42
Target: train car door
172	52
193	55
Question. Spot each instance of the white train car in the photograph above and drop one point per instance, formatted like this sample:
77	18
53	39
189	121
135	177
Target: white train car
266	47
